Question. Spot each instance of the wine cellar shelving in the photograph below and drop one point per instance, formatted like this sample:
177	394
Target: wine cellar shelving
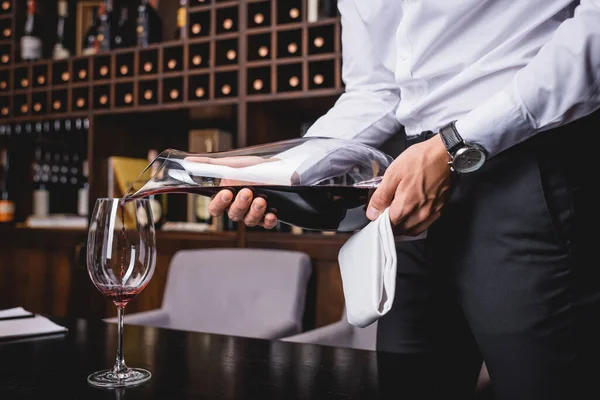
235	51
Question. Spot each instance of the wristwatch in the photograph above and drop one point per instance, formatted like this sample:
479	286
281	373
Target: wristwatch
465	157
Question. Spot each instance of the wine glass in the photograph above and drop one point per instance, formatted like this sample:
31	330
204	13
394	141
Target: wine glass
121	255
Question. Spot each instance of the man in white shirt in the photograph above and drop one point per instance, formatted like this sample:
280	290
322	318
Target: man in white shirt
503	184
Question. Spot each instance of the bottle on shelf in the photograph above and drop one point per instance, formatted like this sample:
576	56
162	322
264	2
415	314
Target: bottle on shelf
122	36
158	203
41	195
91	45
149	24
31	41
60	51
83	191
181	31
105	31
320	9
7	206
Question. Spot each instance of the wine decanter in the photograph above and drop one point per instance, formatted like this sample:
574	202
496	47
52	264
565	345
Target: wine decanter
315	183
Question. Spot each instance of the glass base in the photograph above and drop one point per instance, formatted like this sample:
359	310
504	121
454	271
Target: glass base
109	379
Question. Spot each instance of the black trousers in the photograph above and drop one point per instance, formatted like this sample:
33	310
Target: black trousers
509	274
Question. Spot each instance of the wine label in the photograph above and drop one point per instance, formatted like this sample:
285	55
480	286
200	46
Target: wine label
202	208
83	202
41	201
7	211
156	208
31	48
181	17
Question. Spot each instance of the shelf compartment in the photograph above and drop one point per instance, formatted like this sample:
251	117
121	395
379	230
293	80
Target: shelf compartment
172	90
124	96
4	81
80	99
22	78
226	52
148	92
227	19
59	101
259	80
60	73
6	29
5	110
259	14
40	75
226	84
39	103
125	65
102	97
321	39
20	105
81	70
199	55
321	74
198	87
289	43
148	62
289	11
173	59
289	77
259	47
5	57
102	67
5	7
199	24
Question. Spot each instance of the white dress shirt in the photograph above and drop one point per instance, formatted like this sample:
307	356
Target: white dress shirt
504	69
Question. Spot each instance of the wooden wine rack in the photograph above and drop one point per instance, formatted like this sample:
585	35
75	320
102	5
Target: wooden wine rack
251	50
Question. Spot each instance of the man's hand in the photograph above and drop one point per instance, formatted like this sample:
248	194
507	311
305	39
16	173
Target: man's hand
252	211
416	185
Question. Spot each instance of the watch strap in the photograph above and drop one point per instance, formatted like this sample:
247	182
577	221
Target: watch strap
451	138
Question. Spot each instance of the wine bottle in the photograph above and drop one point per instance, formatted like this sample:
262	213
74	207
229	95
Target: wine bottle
181	31
31	42
7	206
149	24
60	51
122	35
158	202
41	196
105	32
83	192
91	45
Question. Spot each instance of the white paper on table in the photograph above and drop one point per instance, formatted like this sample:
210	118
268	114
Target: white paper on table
25	327
14	313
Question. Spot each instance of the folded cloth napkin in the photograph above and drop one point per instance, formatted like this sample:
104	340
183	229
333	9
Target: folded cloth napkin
28	327
368	268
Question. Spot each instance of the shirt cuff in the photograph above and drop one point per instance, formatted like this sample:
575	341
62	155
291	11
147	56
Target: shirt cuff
501	122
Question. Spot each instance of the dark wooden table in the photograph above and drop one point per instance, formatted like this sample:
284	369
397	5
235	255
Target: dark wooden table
188	365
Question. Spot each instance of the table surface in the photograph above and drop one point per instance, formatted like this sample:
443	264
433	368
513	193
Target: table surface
191	365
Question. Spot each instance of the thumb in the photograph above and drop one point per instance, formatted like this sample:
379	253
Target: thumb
383	196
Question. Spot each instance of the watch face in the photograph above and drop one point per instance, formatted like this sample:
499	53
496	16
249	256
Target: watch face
468	159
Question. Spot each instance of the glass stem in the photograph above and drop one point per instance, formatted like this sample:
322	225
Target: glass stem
120	366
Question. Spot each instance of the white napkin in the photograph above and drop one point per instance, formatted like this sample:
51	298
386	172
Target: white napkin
368	268
17	312
25	327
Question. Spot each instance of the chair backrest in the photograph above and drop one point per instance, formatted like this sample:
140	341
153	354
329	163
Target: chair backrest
243	292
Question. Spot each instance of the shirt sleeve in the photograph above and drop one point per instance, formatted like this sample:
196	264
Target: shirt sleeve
366	111
559	85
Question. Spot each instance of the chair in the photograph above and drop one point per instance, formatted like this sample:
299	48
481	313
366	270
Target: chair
242	292
340	334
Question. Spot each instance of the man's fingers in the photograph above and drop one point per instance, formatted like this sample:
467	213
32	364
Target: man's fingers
256	212
270	221
383	196
220	202
240	205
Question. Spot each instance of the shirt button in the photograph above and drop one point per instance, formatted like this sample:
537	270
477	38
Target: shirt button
404	55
